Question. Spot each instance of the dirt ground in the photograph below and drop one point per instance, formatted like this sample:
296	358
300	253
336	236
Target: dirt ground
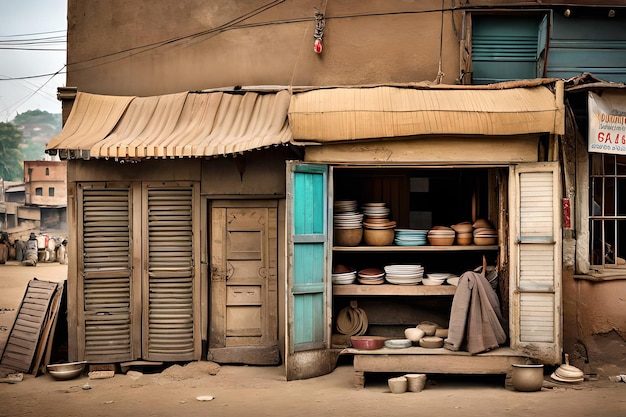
263	391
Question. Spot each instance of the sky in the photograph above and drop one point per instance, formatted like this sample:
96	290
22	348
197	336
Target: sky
26	27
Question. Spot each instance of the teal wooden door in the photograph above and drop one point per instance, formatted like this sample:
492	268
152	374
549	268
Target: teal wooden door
308	322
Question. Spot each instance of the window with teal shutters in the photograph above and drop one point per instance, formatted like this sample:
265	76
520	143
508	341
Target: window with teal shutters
506	48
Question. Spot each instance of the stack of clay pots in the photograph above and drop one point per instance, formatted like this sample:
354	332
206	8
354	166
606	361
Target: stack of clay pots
378	229
484	233
347	221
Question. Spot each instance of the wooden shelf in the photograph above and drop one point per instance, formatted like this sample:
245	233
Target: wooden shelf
395	248
391	289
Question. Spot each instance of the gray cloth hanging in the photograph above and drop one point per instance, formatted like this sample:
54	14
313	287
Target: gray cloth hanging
475	316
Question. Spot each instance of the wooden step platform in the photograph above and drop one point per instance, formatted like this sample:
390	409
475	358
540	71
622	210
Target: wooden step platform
431	361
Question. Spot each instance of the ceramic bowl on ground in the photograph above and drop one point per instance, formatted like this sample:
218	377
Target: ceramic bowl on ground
431	342
414	334
65	371
397	385
348	237
382	237
415	382
527	378
561	379
368	342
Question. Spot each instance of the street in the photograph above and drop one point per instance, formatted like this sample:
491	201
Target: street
263	391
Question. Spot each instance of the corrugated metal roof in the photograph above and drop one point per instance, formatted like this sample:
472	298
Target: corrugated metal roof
339	114
175	125
92	118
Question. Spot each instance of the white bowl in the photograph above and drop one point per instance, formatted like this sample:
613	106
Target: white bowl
65	371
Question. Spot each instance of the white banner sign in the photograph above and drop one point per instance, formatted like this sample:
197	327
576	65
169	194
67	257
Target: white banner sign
607	123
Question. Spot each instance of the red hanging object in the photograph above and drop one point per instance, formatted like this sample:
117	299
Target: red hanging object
317	46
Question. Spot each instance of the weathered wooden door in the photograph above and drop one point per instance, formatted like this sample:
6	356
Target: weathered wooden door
308	306
536	245
109	299
138	286
171	296
244	299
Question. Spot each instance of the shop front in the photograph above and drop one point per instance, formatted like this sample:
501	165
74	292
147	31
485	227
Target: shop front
432	158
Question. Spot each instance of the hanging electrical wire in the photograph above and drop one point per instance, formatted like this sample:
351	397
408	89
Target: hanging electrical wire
440	73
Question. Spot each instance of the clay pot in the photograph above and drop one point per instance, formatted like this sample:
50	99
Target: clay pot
414	334
416	382
527	378
348	237
464	239
428	328
381	237
431	342
397	385
368	342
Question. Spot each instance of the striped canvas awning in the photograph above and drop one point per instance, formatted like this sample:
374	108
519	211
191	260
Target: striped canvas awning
341	114
175	125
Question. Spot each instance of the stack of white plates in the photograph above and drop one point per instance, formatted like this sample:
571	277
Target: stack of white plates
346	216
345	206
344	278
371	276
376	210
347	220
410	237
404	274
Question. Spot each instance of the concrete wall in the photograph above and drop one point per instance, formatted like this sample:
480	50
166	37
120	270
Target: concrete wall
364	42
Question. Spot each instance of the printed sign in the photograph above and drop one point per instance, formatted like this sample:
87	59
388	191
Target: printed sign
607	123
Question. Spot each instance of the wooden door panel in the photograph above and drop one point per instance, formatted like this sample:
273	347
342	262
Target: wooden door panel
244	281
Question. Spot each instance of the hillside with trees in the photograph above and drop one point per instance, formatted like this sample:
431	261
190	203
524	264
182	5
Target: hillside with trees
24	139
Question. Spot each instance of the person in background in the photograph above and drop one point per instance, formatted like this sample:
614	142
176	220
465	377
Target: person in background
20	248
30	254
4	247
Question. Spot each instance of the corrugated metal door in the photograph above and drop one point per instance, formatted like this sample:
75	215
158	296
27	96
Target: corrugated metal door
307	239
108	325
170	251
508	48
535	290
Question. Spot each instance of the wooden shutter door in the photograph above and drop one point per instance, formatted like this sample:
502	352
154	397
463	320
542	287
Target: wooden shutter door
106	311
535	233
171	299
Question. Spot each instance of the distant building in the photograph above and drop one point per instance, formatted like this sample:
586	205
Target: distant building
11	197
45	191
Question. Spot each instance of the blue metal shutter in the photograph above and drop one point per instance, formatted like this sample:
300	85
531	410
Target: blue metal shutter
588	44
504	48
